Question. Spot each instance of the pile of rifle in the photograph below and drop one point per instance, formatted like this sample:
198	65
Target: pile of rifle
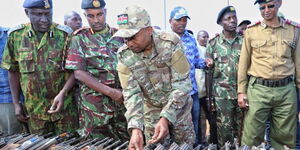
65	141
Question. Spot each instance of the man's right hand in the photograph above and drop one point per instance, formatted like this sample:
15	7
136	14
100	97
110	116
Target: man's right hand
19	112
117	96
136	140
243	100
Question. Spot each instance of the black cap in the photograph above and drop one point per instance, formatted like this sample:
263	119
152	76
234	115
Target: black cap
262	1
86	4
247	22
227	9
38	4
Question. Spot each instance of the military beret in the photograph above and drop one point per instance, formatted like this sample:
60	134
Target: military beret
227	9
262	1
37	4
87	4
247	22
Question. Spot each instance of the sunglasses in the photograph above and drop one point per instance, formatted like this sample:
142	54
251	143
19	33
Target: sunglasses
264	7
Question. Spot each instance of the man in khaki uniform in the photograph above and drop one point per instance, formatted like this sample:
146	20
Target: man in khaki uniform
267	70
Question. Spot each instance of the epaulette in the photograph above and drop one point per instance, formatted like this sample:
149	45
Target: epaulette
65	29
122	48
212	41
252	25
169	36
79	30
293	23
16	28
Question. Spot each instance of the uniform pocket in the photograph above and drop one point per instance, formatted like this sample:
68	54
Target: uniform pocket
26	62
287	47
55	60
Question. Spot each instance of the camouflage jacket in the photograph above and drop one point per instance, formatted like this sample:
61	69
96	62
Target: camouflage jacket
96	54
225	54
41	66
160	79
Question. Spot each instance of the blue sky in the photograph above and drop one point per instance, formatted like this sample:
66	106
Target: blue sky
203	13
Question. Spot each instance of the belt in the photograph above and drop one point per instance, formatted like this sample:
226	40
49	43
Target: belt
274	83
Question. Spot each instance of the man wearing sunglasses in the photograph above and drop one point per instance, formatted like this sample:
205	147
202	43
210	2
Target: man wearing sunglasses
268	76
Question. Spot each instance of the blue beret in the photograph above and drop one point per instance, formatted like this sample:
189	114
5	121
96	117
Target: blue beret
262	1
225	10
86	4
37	4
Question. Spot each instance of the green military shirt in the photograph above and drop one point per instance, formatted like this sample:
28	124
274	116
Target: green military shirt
96	53
160	79
225	54
41	67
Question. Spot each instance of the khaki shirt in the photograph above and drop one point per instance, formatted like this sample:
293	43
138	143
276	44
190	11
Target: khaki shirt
269	53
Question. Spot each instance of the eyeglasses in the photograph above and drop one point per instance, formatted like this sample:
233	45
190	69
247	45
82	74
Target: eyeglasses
264	7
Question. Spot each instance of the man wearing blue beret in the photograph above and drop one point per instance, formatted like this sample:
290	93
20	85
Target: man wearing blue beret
35	56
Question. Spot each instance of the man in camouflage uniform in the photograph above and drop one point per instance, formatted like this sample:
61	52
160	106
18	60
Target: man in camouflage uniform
34	56
268	77
224	49
154	74
92	56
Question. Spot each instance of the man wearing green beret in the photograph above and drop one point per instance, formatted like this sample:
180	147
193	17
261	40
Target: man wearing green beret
35	56
92	56
269	73
224	50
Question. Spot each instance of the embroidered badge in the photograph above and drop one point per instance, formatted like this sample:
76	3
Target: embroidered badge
122	19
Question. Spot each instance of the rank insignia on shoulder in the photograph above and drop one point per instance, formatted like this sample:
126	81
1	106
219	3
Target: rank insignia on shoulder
122	19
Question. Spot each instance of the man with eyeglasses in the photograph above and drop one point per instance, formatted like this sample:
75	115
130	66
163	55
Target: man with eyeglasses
267	78
34	56
93	57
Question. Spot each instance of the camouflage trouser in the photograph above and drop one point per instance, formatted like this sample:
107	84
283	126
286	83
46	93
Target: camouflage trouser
181	132
281	103
99	124
228	120
67	122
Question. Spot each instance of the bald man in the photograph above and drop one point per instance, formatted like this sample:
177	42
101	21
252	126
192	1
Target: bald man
73	20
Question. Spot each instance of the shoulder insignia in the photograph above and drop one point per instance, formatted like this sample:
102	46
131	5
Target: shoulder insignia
293	23
124	74
212	41
16	28
252	25
180	62
122	48
169	36
64	28
79	30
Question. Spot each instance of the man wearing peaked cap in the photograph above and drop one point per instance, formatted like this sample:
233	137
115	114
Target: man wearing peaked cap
34	57
154	75
178	20
224	50
92	57
268	77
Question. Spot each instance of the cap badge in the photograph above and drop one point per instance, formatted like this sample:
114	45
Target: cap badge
96	3
47	4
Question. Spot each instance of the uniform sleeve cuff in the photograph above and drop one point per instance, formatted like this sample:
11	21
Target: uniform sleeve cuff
170	117
242	90
9	66
135	125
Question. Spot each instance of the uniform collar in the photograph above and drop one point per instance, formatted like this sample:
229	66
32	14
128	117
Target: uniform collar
281	23
32	32
154	52
105	30
224	39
